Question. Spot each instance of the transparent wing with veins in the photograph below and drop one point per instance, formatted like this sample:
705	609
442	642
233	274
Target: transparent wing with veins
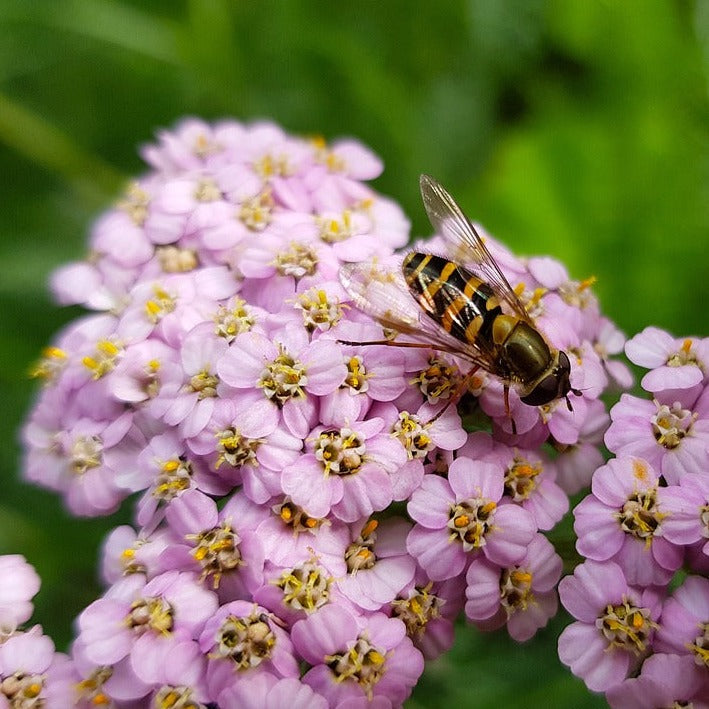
381	292
448	220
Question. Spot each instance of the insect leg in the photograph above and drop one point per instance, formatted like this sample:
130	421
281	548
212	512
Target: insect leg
506	393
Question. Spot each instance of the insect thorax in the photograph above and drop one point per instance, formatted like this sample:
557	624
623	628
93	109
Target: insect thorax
524	353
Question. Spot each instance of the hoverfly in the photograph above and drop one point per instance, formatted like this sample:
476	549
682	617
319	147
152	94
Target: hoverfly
470	311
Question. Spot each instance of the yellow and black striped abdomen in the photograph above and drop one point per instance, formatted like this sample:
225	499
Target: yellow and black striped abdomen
460	302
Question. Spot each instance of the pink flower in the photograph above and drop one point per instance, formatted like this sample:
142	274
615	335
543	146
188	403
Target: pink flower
522	596
350	158
530	481
127	552
266	691
287	374
664	681
168	306
429	609
277	263
190	403
138	619
241	639
165	471
610	341
182	677
81	454
576	463
675	364
672	436
378	565
19	582
99	286
614	624
221	547
421	434
289	534
243	447
373	374
192	144
97	681
119	234
461	518
300	589
686	505
184	204
143	371
622	520
684	625
357	658
347	473
30	669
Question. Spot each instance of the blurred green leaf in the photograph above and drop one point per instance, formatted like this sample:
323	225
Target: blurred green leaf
49	148
114	23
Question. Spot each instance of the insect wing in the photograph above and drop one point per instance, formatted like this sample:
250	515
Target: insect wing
383	294
448	220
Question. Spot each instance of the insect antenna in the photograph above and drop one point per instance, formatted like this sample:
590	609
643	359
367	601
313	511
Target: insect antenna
575	392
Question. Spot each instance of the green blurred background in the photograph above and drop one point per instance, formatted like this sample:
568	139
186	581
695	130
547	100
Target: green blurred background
572	128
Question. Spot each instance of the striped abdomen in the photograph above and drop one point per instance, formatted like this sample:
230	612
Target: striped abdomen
457	300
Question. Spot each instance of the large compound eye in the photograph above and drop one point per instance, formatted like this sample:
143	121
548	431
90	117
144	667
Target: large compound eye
564	365
546	390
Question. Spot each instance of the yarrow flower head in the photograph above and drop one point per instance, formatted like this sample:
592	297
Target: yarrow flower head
614	628
522	596
31	672
312	511
623	520
646	516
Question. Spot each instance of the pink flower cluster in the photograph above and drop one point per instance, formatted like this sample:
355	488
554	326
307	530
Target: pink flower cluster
272	463
29	665
647	517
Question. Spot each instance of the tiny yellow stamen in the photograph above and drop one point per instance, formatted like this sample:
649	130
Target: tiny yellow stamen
375	657
488	508
107	347
54	352
152	308
521	577
368	528
537	295
587	283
